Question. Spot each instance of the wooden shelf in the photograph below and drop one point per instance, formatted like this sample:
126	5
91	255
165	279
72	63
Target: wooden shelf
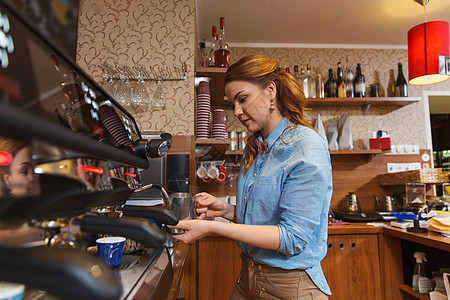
234	152
219	147
407	289
353	152
375	101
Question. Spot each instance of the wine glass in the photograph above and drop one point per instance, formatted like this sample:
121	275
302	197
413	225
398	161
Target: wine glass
107	83
415	197
139	92
159	98
123	91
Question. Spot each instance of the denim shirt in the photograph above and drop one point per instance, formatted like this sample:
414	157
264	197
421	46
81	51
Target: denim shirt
289	187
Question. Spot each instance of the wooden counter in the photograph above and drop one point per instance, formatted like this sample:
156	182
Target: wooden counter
181	262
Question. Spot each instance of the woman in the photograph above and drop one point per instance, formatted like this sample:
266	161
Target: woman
17	175
283	193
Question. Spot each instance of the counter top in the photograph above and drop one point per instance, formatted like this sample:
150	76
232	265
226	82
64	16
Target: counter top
431	239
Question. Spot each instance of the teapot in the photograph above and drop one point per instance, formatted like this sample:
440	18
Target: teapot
387	204
351	203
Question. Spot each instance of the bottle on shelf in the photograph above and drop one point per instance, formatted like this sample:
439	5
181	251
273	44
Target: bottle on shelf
360	83
391	84
309	84
222	53
420	282
214	38
342	90
320	87
331	85
287	69
301	78
203	55
401	86
296	74
349	80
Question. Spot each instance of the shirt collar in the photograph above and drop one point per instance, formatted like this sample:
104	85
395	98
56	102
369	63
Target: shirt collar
276	133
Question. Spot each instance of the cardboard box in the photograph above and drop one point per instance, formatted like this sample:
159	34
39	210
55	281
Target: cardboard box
380	143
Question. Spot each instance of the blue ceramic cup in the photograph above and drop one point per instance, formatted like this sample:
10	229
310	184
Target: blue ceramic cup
110	250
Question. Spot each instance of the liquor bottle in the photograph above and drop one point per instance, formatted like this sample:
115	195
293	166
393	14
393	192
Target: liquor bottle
320	87
309	84
211	60
342	90
301	78
349	80
222	53
69	85
330	85
391	84
296	73
287	69
360	83
401	87
203	55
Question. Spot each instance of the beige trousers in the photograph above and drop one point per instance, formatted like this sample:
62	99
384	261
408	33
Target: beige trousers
262	281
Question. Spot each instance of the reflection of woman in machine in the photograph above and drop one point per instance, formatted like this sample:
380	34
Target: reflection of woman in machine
17	176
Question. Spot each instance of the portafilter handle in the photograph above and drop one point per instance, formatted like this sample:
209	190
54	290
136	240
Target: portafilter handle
153	148
65	273
138	229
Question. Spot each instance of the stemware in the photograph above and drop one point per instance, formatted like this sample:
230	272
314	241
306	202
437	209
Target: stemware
123	92
107	83
139	93
159	99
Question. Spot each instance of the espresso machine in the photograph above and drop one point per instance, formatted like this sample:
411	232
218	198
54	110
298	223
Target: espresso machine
69	160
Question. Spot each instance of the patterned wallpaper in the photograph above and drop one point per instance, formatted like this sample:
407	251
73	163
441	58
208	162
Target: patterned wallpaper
150	32
162	33
406	125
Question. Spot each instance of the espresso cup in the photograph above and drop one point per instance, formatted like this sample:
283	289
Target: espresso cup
202	172
110	250
213	171
222	175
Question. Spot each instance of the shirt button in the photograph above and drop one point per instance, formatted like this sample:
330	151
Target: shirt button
245	198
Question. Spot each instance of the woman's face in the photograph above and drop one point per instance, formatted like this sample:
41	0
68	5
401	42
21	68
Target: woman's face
252	105
20	178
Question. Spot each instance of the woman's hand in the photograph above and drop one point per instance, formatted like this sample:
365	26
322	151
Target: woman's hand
193	230
209	206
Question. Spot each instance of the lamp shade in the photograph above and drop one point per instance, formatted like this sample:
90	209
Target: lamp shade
426	42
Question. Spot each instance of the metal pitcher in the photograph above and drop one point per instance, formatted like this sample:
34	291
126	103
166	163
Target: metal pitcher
351	203
387	204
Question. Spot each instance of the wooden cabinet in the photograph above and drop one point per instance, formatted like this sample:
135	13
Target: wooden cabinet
352	266
219	265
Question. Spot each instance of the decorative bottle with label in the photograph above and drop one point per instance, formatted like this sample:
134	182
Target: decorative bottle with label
342	90
401	86
360	83
331	85
349	79
214	38
309	84
222	53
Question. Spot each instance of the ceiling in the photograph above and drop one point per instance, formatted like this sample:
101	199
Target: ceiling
317	23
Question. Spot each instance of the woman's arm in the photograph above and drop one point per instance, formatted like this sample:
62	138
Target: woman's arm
209	206
263	236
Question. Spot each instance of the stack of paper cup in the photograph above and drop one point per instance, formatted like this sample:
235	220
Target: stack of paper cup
219	126
203	111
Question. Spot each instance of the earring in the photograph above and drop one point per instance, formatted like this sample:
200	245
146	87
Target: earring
272	107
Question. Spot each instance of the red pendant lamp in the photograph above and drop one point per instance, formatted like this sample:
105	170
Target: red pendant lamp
426	42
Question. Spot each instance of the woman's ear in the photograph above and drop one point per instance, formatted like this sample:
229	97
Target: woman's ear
272	90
